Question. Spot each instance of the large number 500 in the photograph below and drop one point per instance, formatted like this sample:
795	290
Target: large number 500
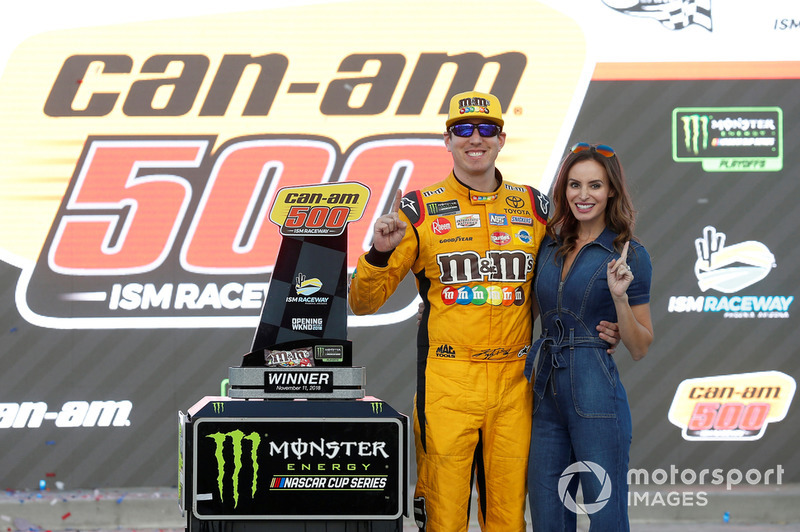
124	211
729	416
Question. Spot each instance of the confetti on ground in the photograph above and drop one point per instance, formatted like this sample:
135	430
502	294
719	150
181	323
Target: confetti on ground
24	524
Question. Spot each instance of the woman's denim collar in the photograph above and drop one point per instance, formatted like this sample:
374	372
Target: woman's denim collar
606	239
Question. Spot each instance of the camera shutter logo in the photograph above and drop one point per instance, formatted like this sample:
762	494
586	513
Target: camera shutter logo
584	467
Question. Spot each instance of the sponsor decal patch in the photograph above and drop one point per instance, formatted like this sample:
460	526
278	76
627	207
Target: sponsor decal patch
478	295
468	220
441	226
515	202
443	208
498	219
445	351
523	236
500	238
482	198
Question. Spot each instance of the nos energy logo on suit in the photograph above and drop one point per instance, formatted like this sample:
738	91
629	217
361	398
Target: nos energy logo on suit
141	160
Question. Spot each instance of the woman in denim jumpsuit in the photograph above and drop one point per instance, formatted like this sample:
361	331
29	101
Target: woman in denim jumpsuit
588	269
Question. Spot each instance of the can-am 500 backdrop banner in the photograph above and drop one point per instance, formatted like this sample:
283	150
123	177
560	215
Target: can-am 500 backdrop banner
143	146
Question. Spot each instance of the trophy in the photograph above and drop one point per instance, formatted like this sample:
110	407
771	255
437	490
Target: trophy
300	348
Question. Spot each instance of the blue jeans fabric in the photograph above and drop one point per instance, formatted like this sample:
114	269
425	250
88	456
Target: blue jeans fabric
575	420
580	408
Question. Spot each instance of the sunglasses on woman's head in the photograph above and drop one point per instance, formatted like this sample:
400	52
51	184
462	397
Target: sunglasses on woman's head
602	149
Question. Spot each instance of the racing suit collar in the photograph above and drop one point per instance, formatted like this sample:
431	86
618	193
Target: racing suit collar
477	197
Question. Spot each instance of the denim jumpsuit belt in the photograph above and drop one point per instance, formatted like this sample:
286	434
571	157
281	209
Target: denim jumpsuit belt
550	354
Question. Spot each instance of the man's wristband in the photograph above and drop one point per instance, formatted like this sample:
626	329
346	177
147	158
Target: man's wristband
377	258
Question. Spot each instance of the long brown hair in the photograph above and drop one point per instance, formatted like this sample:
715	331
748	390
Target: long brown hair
620	215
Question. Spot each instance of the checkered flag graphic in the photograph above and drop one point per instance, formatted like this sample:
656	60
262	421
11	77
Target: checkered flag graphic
673	14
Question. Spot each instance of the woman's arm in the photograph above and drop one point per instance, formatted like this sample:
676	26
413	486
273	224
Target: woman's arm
634	322
635	326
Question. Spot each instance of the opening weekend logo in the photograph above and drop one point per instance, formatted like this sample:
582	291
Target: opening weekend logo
730	268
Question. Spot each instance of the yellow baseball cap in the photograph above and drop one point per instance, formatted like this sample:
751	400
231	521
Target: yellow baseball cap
474	104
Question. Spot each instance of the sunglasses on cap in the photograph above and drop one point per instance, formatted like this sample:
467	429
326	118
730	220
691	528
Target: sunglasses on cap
466	130
602	149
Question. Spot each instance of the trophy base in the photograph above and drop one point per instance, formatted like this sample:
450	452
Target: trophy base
297	383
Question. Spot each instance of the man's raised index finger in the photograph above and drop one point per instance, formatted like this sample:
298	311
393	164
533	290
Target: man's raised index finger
398	197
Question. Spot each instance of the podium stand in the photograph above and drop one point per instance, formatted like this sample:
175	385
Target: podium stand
297	447
293	465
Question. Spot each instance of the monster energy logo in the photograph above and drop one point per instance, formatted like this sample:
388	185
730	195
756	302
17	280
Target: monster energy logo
236	437
695	130
729	139
377	408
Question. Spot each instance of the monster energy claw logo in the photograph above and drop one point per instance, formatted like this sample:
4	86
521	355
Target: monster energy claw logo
377	408
236	437
695	130
219	407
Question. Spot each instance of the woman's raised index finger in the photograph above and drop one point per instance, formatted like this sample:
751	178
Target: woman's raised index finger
623	257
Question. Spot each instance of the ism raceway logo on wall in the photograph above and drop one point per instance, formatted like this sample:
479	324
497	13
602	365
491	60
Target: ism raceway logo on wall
731	407
729	269
141	160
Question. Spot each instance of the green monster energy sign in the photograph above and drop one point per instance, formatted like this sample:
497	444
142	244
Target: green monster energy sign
729	139
293	468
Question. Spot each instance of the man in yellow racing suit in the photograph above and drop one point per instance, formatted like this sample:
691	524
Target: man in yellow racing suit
471	241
